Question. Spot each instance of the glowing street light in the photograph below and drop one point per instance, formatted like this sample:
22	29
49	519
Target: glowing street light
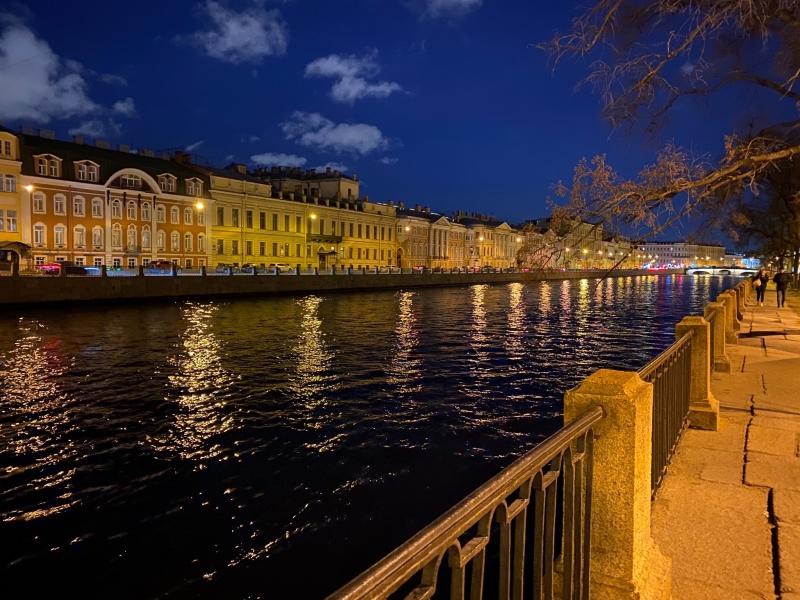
199	206
29	188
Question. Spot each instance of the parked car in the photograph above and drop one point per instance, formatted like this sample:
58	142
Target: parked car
55	268
223	268
161	265
281	266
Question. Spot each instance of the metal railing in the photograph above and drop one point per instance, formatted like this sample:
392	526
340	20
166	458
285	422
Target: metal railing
670	374
555	480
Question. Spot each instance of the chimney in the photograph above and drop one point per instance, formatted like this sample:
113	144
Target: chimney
390	203
401	205
428	210
353	177
178	156
327	169
102	144
337	173
78	139
311	172
47	134
124	148
28	130
365	199
276	169
165	156
241	169
417	207
297	171
145	152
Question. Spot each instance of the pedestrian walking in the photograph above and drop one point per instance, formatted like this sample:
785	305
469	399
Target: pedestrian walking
782	279
760	281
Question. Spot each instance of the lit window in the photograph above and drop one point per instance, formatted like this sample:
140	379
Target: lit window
131	181
146	237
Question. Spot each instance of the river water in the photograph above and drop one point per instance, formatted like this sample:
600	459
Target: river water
274	448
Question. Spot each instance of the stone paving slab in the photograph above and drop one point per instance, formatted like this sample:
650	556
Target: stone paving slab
789	546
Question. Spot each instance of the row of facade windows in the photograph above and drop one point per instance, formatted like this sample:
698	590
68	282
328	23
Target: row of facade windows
294	250
131	210
79	240
98	261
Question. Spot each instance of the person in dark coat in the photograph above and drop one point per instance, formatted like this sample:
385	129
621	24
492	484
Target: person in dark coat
760	281
782	280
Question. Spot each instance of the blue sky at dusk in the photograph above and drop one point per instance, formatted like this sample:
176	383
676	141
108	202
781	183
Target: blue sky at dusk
444	103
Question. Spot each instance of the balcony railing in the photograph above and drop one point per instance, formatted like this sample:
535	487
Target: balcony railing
555	481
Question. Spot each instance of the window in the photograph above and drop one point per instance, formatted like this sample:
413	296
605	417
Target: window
351	232
78	206
79	237
374	232
131	263
262	220
41	166
359	232
194	187
145	211
97	208
201	217
175	241
11	183
98	261
286	222
146	237
38	203
80	261
322	226
83	172
220	215
390	233
188	263
234	217
7	148
131	241
60	236
131	210
220	247
274	222
297	249
282	249
201	243
187	216
297	227
116	209
262	247
97	238
383	233
249	248
187	241
39	235
53	168
93	173
366	231
249	223
161	240
116	236
40	260
117	262
130	181
234	247
274	249
60	204
161	214
167	183
11	221
174	215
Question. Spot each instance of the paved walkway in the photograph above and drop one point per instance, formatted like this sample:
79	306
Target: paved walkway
729	512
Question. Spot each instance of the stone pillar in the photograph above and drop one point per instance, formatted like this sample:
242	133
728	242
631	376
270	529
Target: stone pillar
202	270
255	270
316	271
333	270
277	271
230	271
730	334
703	407
62	271
733	310
625	563
15	269
716	310
173	270
140	271
363	270
737	292
103	271
349	270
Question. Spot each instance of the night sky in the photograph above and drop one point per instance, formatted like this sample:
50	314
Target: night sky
444	103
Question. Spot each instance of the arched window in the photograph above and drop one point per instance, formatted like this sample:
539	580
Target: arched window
116	209
187	216
60	204
175	215
175	240
116	236
97	238
97	208
60	236
145	235
145	211
187	242
161	240
79	237
161	214
131	238
78	206
131	210
40	235
201	242
39	205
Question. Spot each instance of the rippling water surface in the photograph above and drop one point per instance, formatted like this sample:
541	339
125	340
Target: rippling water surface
274	448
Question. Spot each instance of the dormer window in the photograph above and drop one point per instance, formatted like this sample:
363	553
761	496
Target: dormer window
7	148
48	166
133	182
194	187
86	171
167	182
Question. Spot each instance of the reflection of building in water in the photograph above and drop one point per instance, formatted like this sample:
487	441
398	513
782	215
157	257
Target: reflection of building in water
200	381
405	370
312	378
35	422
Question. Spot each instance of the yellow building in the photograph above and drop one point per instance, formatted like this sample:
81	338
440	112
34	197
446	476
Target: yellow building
11	247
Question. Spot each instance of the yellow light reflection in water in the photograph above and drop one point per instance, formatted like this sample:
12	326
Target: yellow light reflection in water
200	382
39	424
405	370
517	331
545	292
312	378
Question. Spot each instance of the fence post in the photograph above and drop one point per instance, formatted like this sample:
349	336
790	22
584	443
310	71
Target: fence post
737	294
173	270
140	271
316	270
15	269
202	270
230	271
625	561
716	311
62	271
703	407
732	316
730	334
103	271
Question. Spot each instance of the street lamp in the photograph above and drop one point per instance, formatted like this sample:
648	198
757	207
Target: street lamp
28	188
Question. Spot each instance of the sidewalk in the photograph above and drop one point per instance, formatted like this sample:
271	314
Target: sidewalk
729	511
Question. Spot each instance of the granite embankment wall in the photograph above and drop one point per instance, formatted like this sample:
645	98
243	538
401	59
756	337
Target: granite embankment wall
25	291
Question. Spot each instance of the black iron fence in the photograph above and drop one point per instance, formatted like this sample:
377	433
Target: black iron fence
670	374
530	525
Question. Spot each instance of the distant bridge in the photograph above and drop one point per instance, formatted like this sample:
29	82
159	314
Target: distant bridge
732	271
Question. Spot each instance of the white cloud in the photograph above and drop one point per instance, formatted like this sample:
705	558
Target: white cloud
251	138
36	84
241	37
278	159
125	107
195	146
351	73
312	129
229	158
449	8
97	128
110	78
388	161
333	166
